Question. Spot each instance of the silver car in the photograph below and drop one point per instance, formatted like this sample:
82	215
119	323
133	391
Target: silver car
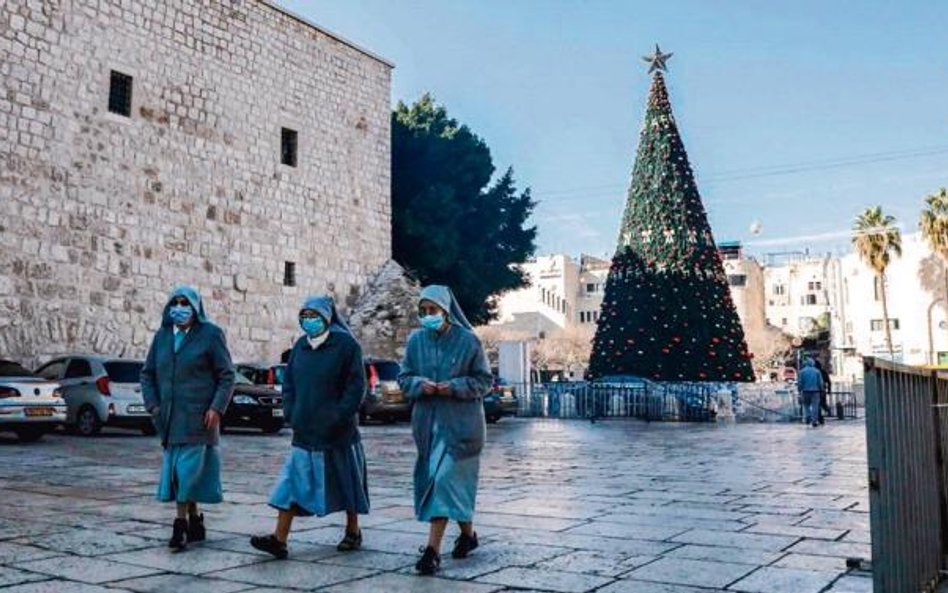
100	391
29	405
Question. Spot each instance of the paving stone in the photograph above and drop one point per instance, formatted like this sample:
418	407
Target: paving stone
195	560
736	540
795	531
13	552
292	574
88	542
596	563
784	580
624	531
87	570
12	576
61	587
724	554
626	586
852	584
691	572
366	559
177	583
547	580
838	549
808	562
397	583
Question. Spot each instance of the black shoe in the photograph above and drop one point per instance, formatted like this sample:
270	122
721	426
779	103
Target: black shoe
196	531
271	545
350	543
429	563
464	545
815	425
179	535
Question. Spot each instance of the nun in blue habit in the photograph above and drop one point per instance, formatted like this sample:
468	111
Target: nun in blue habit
445	374
325	472
187	382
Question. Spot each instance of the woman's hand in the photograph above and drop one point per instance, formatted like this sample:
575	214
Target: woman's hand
429	387
444	389
212	419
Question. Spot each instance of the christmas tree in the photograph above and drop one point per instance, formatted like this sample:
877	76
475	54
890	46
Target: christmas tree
667	312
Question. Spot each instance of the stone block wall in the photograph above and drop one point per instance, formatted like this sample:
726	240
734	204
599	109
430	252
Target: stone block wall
101	214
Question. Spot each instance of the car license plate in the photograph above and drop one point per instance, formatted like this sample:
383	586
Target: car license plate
39	411
277	413
135	409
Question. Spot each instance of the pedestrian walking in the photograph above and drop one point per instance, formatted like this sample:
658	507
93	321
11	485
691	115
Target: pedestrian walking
445	374
325	471
187	382
825	392
810	386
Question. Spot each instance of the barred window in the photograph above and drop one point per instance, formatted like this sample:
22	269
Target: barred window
120	94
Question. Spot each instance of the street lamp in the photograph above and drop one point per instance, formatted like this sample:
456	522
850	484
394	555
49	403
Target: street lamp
931	338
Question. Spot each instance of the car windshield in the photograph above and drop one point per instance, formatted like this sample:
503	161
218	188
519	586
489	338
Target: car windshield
388	371
9	368
124	371
242	380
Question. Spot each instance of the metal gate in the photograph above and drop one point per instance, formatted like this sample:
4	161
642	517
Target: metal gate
905	427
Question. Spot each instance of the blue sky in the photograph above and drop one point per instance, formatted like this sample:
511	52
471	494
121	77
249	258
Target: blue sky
557	89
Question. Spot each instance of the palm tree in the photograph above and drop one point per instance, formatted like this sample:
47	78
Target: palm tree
934	223
876	239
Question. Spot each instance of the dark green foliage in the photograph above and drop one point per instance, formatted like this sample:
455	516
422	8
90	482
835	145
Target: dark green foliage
450	224
667	312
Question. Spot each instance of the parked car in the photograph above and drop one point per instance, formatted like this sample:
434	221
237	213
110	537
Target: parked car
254	406
100	391
384	399
262	374
29	405
500	401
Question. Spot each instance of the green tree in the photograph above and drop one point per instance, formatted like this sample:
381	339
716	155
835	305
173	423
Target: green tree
450	224
877	239
934	223
667	312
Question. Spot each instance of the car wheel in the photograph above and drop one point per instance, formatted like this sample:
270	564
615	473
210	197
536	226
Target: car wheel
87	421
30	435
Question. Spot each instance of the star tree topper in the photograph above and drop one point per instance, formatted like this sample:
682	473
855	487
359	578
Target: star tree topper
657	60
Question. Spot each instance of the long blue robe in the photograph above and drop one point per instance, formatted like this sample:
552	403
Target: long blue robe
449	431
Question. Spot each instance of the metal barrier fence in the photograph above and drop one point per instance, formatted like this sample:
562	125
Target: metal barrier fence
906	425
689	402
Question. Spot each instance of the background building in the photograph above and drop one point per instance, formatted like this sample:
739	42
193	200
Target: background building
233	146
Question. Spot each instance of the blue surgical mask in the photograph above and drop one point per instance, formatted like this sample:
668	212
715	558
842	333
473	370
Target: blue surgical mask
313	326
180	314
432	322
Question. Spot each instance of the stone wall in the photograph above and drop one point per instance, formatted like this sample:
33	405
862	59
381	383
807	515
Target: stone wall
386	313
101	214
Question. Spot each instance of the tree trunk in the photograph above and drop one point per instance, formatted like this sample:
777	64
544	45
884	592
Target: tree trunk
935	354
885	317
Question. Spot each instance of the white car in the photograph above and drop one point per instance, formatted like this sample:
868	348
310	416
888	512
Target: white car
29	405
100	391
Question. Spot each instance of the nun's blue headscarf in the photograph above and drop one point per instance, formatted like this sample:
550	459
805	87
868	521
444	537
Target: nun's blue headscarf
326	306
444	298
193	296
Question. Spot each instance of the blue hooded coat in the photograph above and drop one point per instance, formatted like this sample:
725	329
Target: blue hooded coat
184	385
449	431
323	388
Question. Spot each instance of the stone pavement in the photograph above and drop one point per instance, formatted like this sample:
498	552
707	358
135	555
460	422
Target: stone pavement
564	506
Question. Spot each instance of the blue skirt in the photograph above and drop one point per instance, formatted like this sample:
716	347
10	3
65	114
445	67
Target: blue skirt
323	482
452	484
191	473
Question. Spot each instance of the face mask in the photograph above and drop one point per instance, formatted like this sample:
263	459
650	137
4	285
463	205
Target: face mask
313	326
180	314
432	321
